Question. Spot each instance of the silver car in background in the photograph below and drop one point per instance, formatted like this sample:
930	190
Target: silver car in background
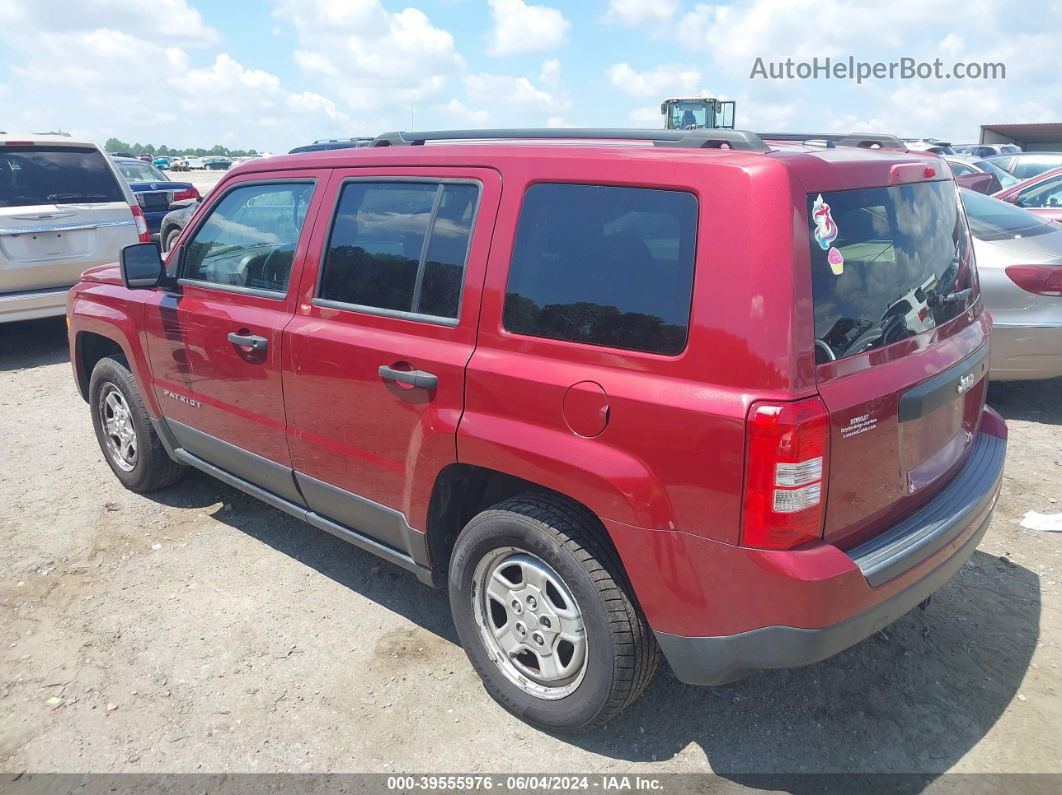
63	208
1019	260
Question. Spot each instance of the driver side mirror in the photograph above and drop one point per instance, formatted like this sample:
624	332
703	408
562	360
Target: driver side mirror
141	266
1011	199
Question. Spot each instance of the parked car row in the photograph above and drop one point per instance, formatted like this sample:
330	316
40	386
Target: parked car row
155	192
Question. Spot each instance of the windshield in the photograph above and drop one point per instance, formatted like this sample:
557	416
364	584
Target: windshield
31	175
141	172
992	219
1006	179
688	115
886	264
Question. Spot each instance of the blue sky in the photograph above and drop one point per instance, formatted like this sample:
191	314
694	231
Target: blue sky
277	73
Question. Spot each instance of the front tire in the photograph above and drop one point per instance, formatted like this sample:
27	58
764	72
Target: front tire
123	429
546	616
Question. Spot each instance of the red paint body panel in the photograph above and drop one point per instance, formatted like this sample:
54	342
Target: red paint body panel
697	587
348	427
239	394
100	304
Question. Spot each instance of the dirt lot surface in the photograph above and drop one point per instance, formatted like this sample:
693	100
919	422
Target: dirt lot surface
199	630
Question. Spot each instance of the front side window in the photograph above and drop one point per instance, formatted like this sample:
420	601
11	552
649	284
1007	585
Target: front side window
400	246
604	265
887	264
249	238
1043	194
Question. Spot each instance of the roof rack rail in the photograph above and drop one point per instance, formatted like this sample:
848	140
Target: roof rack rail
741	140
859	140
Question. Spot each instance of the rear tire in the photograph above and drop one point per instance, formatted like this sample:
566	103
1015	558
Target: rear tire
170	239
129	443
506	554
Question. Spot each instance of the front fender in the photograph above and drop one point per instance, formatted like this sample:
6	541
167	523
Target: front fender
105	309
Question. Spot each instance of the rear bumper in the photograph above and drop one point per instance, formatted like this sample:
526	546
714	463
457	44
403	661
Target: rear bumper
32	305
1026	352
797	607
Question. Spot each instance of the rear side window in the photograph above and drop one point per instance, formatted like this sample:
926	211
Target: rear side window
31	175
400	247
886	264
604	265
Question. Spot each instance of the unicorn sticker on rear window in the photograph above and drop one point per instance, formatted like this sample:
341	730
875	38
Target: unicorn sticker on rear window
826	233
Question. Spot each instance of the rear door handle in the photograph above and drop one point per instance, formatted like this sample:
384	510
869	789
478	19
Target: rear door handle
417	378
252	341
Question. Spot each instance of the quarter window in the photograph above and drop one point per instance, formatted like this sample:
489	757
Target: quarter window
400	246
249	238
604	265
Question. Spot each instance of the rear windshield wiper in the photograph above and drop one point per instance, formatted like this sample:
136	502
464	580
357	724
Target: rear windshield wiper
936	299
52	197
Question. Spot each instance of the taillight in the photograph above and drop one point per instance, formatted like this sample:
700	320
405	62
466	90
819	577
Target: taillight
1040	279
181	195
141	223
787	455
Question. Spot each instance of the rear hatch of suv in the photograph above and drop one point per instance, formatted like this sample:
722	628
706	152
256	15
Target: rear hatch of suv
62	210
901	348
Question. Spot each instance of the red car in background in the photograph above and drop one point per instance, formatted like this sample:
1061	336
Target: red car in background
1041	195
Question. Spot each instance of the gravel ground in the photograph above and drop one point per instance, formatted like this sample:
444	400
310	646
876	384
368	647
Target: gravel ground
199	630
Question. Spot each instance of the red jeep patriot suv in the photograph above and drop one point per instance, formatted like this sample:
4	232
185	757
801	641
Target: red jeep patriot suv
705	394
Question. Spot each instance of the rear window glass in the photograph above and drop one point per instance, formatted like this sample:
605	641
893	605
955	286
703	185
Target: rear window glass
605	266
32	175
1027	167
991	219
886	264
141	172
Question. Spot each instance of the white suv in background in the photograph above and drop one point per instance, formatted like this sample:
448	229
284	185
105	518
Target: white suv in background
63	208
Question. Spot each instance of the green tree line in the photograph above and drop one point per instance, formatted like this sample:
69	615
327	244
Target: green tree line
117	145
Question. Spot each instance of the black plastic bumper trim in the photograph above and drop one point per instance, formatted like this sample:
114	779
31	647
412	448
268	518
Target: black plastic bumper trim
727	658
913	540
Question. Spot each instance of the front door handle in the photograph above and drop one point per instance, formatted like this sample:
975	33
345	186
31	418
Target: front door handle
252	341
417	378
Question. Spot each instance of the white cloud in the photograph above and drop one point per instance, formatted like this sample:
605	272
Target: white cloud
646	117
163	21
369	57
502	92
659	82
732	36
133	83
633	13
550	74
521	28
